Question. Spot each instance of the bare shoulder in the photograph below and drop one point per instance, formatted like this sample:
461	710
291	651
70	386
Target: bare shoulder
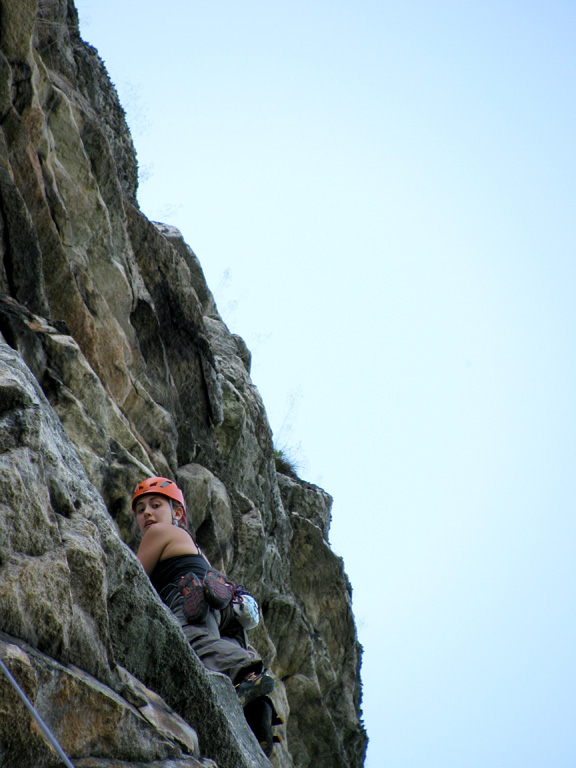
159	532
155	541
161	541
180	543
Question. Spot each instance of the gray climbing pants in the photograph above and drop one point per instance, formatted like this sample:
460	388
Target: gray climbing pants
219	654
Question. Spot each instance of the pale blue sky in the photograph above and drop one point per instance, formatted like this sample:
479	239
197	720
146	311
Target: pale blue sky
382	198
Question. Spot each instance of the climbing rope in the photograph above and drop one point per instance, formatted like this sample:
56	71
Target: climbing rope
43	727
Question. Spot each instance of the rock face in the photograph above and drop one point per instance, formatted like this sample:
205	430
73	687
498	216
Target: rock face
115	365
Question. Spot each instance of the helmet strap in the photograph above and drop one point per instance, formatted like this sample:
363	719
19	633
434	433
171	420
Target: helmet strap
174	521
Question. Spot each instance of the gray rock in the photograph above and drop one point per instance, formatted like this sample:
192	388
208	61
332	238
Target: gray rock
89	721
116	365
72	589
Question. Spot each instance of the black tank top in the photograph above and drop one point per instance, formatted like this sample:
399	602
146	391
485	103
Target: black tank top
166	575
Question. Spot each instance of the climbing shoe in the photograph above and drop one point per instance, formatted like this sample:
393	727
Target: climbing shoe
259	715
255	688
218	591
276	720
195	607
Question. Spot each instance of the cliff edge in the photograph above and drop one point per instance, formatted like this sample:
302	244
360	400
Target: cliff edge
115	365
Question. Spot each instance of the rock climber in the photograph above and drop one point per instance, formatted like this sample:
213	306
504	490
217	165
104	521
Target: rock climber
213	613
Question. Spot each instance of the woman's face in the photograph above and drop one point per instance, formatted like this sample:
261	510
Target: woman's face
152	509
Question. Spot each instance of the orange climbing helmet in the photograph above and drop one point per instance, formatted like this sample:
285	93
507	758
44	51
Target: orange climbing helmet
163	487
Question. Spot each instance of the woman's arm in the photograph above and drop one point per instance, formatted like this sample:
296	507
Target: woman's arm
161	541
153	544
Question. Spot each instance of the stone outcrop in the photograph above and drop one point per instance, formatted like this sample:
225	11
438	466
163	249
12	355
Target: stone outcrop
115	365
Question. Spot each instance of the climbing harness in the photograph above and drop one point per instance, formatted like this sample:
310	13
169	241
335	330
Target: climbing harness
43	727
215	591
